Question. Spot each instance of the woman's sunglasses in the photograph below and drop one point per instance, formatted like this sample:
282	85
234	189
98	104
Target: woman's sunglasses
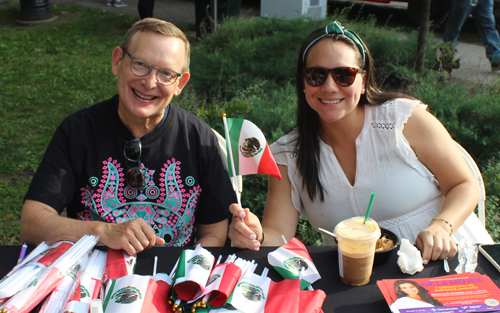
343	76
135	177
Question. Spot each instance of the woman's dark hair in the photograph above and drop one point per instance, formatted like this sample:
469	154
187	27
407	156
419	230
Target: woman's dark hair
308	124
422	292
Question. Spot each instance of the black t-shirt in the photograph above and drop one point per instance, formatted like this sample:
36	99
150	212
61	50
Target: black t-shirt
84	168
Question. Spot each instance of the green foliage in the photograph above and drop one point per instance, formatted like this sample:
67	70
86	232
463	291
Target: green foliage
244	53
470	117
246	70
48	72
491	177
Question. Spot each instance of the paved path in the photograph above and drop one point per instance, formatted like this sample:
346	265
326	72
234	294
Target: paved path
474	66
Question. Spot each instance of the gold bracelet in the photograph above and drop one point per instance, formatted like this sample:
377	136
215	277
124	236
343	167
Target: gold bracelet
443	220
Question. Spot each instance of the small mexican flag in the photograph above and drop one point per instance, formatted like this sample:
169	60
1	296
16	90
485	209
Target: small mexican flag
250	152
118	264
292	260
311	301
193	271
140	294
259	294
91	280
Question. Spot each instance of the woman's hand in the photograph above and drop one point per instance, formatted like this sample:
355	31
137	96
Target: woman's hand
435	242
245	230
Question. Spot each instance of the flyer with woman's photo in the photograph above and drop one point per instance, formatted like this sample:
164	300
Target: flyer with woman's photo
467	292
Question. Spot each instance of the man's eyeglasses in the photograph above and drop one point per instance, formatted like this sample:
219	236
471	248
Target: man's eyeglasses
140	67
135	177
343	76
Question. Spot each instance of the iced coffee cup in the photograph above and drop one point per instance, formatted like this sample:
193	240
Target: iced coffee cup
356	245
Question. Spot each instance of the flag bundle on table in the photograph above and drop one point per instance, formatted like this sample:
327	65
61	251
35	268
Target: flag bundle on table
118	264
138	294
249	149
91	280
36	253
223	279
193	271
27	299
20	278
65	289
76	307
293	261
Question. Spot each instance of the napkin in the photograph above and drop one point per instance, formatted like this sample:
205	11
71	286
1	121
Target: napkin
467	256
409	260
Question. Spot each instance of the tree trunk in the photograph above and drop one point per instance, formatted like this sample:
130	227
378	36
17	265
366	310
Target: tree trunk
422	36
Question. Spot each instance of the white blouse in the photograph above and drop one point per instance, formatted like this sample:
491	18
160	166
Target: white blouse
407	195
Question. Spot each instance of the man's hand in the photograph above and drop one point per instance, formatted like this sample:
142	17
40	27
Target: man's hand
133	236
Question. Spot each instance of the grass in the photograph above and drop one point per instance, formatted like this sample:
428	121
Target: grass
48	71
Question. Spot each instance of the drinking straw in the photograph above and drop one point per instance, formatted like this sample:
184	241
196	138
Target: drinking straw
327	232
369	207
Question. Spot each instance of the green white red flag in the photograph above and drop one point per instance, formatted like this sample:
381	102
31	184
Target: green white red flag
118	264
311	301
293	261
91	280
250	151
259	294
139	294
192	273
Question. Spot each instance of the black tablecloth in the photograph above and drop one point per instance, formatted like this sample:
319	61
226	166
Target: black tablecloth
341	298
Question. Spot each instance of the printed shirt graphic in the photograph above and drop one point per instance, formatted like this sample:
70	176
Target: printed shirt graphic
84	168
172	216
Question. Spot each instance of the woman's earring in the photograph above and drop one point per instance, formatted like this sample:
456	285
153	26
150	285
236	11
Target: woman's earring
363	91
304	91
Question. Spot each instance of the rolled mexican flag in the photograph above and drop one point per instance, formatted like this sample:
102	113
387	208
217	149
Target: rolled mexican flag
292	260
311	301
193	271
118	264
91	280
250	152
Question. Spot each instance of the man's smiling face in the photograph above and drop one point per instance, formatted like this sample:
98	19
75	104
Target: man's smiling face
143	99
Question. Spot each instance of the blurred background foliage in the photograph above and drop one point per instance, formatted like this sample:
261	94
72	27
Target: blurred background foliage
246	70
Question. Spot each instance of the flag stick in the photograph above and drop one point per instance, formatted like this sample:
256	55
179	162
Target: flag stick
230	152
284	239
154	265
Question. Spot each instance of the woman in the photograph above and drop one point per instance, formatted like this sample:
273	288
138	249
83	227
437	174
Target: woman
412	295
351	140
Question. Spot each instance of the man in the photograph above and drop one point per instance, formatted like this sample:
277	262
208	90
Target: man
482	10
135	170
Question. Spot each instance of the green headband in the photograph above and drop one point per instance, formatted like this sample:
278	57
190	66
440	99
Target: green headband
336	28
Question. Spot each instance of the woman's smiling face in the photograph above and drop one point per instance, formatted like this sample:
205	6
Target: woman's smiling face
331	101
409	289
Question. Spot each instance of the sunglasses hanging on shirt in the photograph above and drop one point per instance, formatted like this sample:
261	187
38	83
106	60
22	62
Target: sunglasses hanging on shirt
135	177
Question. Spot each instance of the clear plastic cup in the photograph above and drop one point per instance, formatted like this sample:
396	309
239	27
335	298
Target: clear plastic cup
356	246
